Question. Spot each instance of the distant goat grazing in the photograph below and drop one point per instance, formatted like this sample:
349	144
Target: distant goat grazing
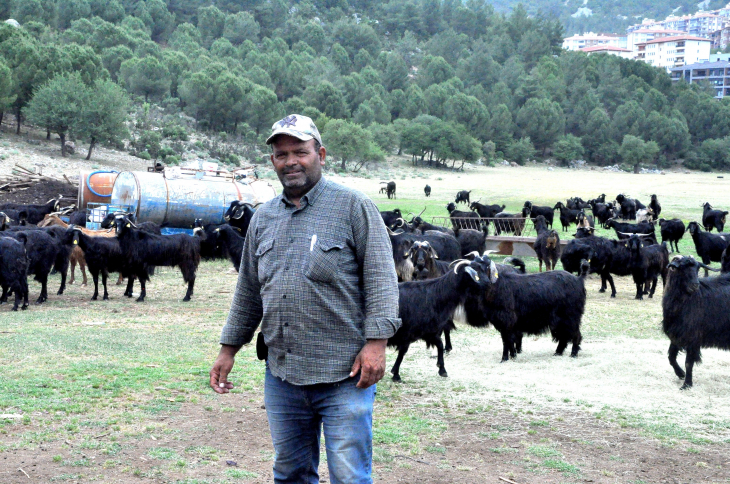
696	314
389	189
713	218
463	220
602	212
427	190
462	197
627	207
547	244
486	211
672	231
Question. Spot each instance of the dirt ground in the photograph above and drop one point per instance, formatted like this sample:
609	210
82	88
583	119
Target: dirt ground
473	448
41	192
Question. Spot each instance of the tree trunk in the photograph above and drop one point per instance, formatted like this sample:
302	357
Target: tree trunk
146	96
91	147
637	167
17	120
2	113
48	134
344	164
63	143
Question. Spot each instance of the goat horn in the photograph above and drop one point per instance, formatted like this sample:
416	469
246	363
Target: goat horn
390	232
424	209
460	263
487	252
624	233
473	253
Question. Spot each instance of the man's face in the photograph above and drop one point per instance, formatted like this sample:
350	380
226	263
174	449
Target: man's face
297	164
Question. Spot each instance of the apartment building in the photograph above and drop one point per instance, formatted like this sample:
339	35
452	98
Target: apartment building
642	36
716	74
674	51
578	42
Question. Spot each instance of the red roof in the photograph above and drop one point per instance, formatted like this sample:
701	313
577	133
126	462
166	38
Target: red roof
675	38
602	48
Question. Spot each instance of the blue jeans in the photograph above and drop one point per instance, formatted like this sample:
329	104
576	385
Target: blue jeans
296	415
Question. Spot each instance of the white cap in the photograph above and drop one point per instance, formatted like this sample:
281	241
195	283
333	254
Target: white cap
296	125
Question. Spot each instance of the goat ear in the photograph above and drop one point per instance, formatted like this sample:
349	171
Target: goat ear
472	273
493	272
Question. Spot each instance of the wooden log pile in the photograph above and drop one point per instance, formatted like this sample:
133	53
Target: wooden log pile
23	178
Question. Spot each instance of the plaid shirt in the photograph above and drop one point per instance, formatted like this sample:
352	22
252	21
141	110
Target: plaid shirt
320	279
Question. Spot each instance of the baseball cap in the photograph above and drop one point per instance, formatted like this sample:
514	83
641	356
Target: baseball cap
296	125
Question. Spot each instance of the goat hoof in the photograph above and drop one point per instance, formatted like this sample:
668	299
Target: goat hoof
15	309
83	284
686	387
603	289
93	298
24	307
70	283
444	374
186	299
396	378
106	298
139	299
613	295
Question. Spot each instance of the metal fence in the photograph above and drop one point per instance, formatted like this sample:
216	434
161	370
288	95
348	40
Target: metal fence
522	227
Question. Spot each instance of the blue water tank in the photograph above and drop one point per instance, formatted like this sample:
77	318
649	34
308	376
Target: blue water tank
177	200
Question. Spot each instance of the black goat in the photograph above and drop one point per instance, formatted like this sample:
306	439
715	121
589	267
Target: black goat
624	230
509	222
446	246
585	221
547	244
627	207
239	215
77	218
426	308
655	206
529	303
463	220
606	257
709	247
567	216
34	213
713	218
230	241
103	255
602	212
576	203
672	231
143	249
389	189
696	314
463	197
390	217
13	277
41	251
486	211
471	240
647	262
533	211
209	248
599	199
421	225
427	190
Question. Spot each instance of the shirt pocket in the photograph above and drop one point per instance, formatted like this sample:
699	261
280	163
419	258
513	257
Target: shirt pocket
324	260
264	256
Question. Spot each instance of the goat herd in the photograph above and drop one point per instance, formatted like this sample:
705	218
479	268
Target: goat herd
445	274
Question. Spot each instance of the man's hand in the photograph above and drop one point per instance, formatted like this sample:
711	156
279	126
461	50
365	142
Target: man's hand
222	367
370	362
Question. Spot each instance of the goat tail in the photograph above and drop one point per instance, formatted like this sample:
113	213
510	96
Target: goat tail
516	263
585	267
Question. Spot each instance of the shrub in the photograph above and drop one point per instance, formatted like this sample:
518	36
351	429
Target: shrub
144	155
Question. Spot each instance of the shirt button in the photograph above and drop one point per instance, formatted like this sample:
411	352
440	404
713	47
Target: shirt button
286	324
288	350
291	241
284	296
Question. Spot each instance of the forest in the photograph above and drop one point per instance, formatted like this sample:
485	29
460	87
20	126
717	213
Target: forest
445	82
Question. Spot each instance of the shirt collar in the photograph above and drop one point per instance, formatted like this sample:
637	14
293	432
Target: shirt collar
311	196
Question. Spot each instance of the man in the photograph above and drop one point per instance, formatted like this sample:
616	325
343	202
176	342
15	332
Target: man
317	272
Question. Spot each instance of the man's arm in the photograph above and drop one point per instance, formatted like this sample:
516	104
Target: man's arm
380	287
244	316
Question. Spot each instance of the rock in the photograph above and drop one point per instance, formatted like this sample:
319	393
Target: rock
550	168
513	164
70	147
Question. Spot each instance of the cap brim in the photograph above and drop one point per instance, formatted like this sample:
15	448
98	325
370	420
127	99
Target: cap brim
289	132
